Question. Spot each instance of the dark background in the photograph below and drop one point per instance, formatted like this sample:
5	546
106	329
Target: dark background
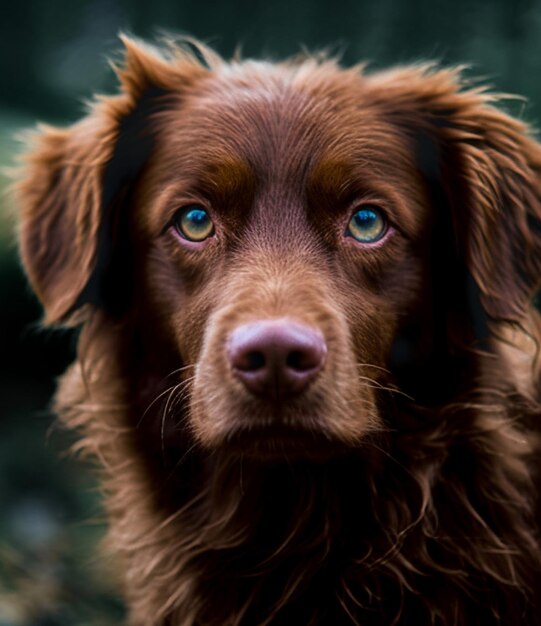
52	57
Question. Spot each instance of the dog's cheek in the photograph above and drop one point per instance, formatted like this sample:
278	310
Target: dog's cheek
369	307
176	301
378	308
190	322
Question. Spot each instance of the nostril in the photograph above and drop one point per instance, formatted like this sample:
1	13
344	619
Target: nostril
253	361
245	359
303	360
295	360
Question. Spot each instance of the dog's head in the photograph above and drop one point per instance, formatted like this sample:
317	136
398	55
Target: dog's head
300	239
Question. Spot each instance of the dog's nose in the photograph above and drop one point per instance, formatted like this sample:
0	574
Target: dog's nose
276	358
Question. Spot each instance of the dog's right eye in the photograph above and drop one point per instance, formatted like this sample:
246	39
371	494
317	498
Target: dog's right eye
193	223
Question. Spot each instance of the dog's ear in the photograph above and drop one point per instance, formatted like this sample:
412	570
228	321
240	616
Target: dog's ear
486	167
72	180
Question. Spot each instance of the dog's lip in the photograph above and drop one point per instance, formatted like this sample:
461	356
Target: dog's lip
278	438
278	429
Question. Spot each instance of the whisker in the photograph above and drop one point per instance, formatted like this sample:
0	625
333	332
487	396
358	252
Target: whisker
178	371
374	384
156	399
378	367
167	390
164	415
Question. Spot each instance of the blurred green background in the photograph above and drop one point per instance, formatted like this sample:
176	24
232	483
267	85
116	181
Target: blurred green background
53	57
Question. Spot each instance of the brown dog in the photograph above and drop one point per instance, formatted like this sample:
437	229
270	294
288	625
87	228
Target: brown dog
308	357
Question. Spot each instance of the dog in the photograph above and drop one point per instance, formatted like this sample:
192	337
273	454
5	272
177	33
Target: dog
308	354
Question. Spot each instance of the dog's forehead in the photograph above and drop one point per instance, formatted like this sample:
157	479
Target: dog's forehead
280	120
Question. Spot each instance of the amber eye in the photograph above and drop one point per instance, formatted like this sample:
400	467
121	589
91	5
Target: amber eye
193	223
367	225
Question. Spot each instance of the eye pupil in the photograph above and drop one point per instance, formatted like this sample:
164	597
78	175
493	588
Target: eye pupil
367	225
194	223
197	216
365	218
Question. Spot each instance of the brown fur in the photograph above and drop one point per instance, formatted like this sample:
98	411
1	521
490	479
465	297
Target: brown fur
401	488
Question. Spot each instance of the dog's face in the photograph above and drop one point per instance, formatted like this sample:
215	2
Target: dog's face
285	247
298	238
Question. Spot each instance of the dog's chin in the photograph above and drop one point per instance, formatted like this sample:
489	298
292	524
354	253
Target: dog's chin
281	442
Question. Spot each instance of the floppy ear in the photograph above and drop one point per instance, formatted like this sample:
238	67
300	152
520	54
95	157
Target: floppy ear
73	181
487	166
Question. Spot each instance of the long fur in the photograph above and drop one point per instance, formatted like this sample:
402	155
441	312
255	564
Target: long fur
422	507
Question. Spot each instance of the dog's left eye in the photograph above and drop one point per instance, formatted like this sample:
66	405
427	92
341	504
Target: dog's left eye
193	223
367	225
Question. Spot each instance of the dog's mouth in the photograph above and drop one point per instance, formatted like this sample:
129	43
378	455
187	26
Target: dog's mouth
280	440
304	427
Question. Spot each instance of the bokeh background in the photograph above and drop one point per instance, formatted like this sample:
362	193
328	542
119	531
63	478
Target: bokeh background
52	58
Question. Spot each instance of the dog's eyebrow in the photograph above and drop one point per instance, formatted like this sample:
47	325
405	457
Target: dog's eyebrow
333	180
330	175
227	177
